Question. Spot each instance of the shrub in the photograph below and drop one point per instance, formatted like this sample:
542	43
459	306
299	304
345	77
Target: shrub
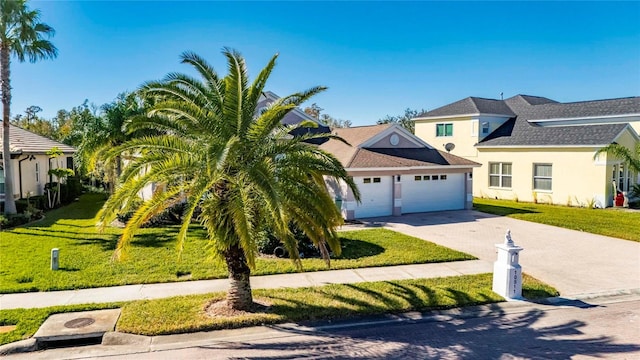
170	216
126	214
268	242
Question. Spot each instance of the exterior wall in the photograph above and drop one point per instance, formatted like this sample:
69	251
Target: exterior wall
24	171
465	135
577	179
345	199
385	142
467	131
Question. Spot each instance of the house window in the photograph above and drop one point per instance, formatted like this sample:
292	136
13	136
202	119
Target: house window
485	128
500	175
417	178
443	177
1	180
542	177
70	163
434	177
444	129
376	180
37	173
367	180
426	177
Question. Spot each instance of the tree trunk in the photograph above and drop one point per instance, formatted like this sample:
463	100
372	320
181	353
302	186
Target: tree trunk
9	201
239	295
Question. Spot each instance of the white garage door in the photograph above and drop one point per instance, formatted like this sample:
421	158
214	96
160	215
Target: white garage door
376	193
422	193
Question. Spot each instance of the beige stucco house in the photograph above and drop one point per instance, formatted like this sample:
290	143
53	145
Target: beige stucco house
537	149
397	173
31	163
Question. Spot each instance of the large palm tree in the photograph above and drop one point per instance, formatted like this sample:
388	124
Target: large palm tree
23	36
242	169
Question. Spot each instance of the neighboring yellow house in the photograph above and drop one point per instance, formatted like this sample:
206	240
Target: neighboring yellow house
536	149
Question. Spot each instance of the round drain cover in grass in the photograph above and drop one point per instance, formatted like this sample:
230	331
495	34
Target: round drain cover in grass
78	323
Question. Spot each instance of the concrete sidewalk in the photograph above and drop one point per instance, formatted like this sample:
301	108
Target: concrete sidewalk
308	279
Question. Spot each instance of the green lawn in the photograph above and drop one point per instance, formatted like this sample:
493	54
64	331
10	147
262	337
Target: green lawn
610	222
85	254
186	313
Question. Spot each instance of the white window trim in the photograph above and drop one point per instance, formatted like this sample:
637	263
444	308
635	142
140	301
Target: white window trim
501	175
534	177
445	130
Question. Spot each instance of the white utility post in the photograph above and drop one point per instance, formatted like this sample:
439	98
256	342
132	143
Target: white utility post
55	258
507	273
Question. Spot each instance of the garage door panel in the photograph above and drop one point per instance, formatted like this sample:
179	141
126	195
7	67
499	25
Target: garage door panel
445	192
376	194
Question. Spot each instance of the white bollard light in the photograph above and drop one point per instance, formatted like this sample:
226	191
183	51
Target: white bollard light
507	272
55	258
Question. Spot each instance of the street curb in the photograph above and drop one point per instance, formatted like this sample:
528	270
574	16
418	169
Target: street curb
21	346
473	311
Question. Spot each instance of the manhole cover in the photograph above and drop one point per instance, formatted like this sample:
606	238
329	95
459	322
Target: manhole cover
78	323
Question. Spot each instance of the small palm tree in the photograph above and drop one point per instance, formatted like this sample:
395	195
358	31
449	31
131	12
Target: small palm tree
629	157
21	35
241	168
106	131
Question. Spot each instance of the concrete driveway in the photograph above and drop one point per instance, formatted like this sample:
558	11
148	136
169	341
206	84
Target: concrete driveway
574	262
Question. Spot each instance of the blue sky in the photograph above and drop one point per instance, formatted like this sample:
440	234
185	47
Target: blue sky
377	58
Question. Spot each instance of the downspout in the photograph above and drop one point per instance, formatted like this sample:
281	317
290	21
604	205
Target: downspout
20	173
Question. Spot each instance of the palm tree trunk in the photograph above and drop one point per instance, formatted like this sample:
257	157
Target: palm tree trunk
239	295
9	202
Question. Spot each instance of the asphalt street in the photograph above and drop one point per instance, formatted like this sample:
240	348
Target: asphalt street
607	327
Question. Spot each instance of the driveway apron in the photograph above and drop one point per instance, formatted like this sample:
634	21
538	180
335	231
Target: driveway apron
574	262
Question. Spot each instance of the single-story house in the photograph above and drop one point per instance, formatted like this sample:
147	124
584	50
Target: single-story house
397	173
539	150
31	163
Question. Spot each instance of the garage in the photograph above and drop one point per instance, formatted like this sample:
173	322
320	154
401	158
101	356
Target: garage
434	192
376	195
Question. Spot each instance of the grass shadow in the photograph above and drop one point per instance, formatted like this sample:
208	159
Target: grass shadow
501	210
356	249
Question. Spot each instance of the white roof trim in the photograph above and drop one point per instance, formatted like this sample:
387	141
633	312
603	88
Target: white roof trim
539	146
391	129
590	119
633	132
409	168
459	116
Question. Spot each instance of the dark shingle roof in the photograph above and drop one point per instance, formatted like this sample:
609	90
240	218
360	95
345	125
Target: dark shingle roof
471	105
519	131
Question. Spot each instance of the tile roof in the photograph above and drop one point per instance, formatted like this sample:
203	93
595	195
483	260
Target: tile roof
24	141
354	156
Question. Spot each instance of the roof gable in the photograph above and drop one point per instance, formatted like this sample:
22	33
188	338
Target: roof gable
361	150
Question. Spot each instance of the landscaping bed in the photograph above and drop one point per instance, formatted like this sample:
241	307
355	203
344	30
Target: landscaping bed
85	253
185	314
609	222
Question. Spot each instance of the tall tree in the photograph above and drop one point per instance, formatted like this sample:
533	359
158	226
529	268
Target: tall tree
244	171
403	120
107	131
24	37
